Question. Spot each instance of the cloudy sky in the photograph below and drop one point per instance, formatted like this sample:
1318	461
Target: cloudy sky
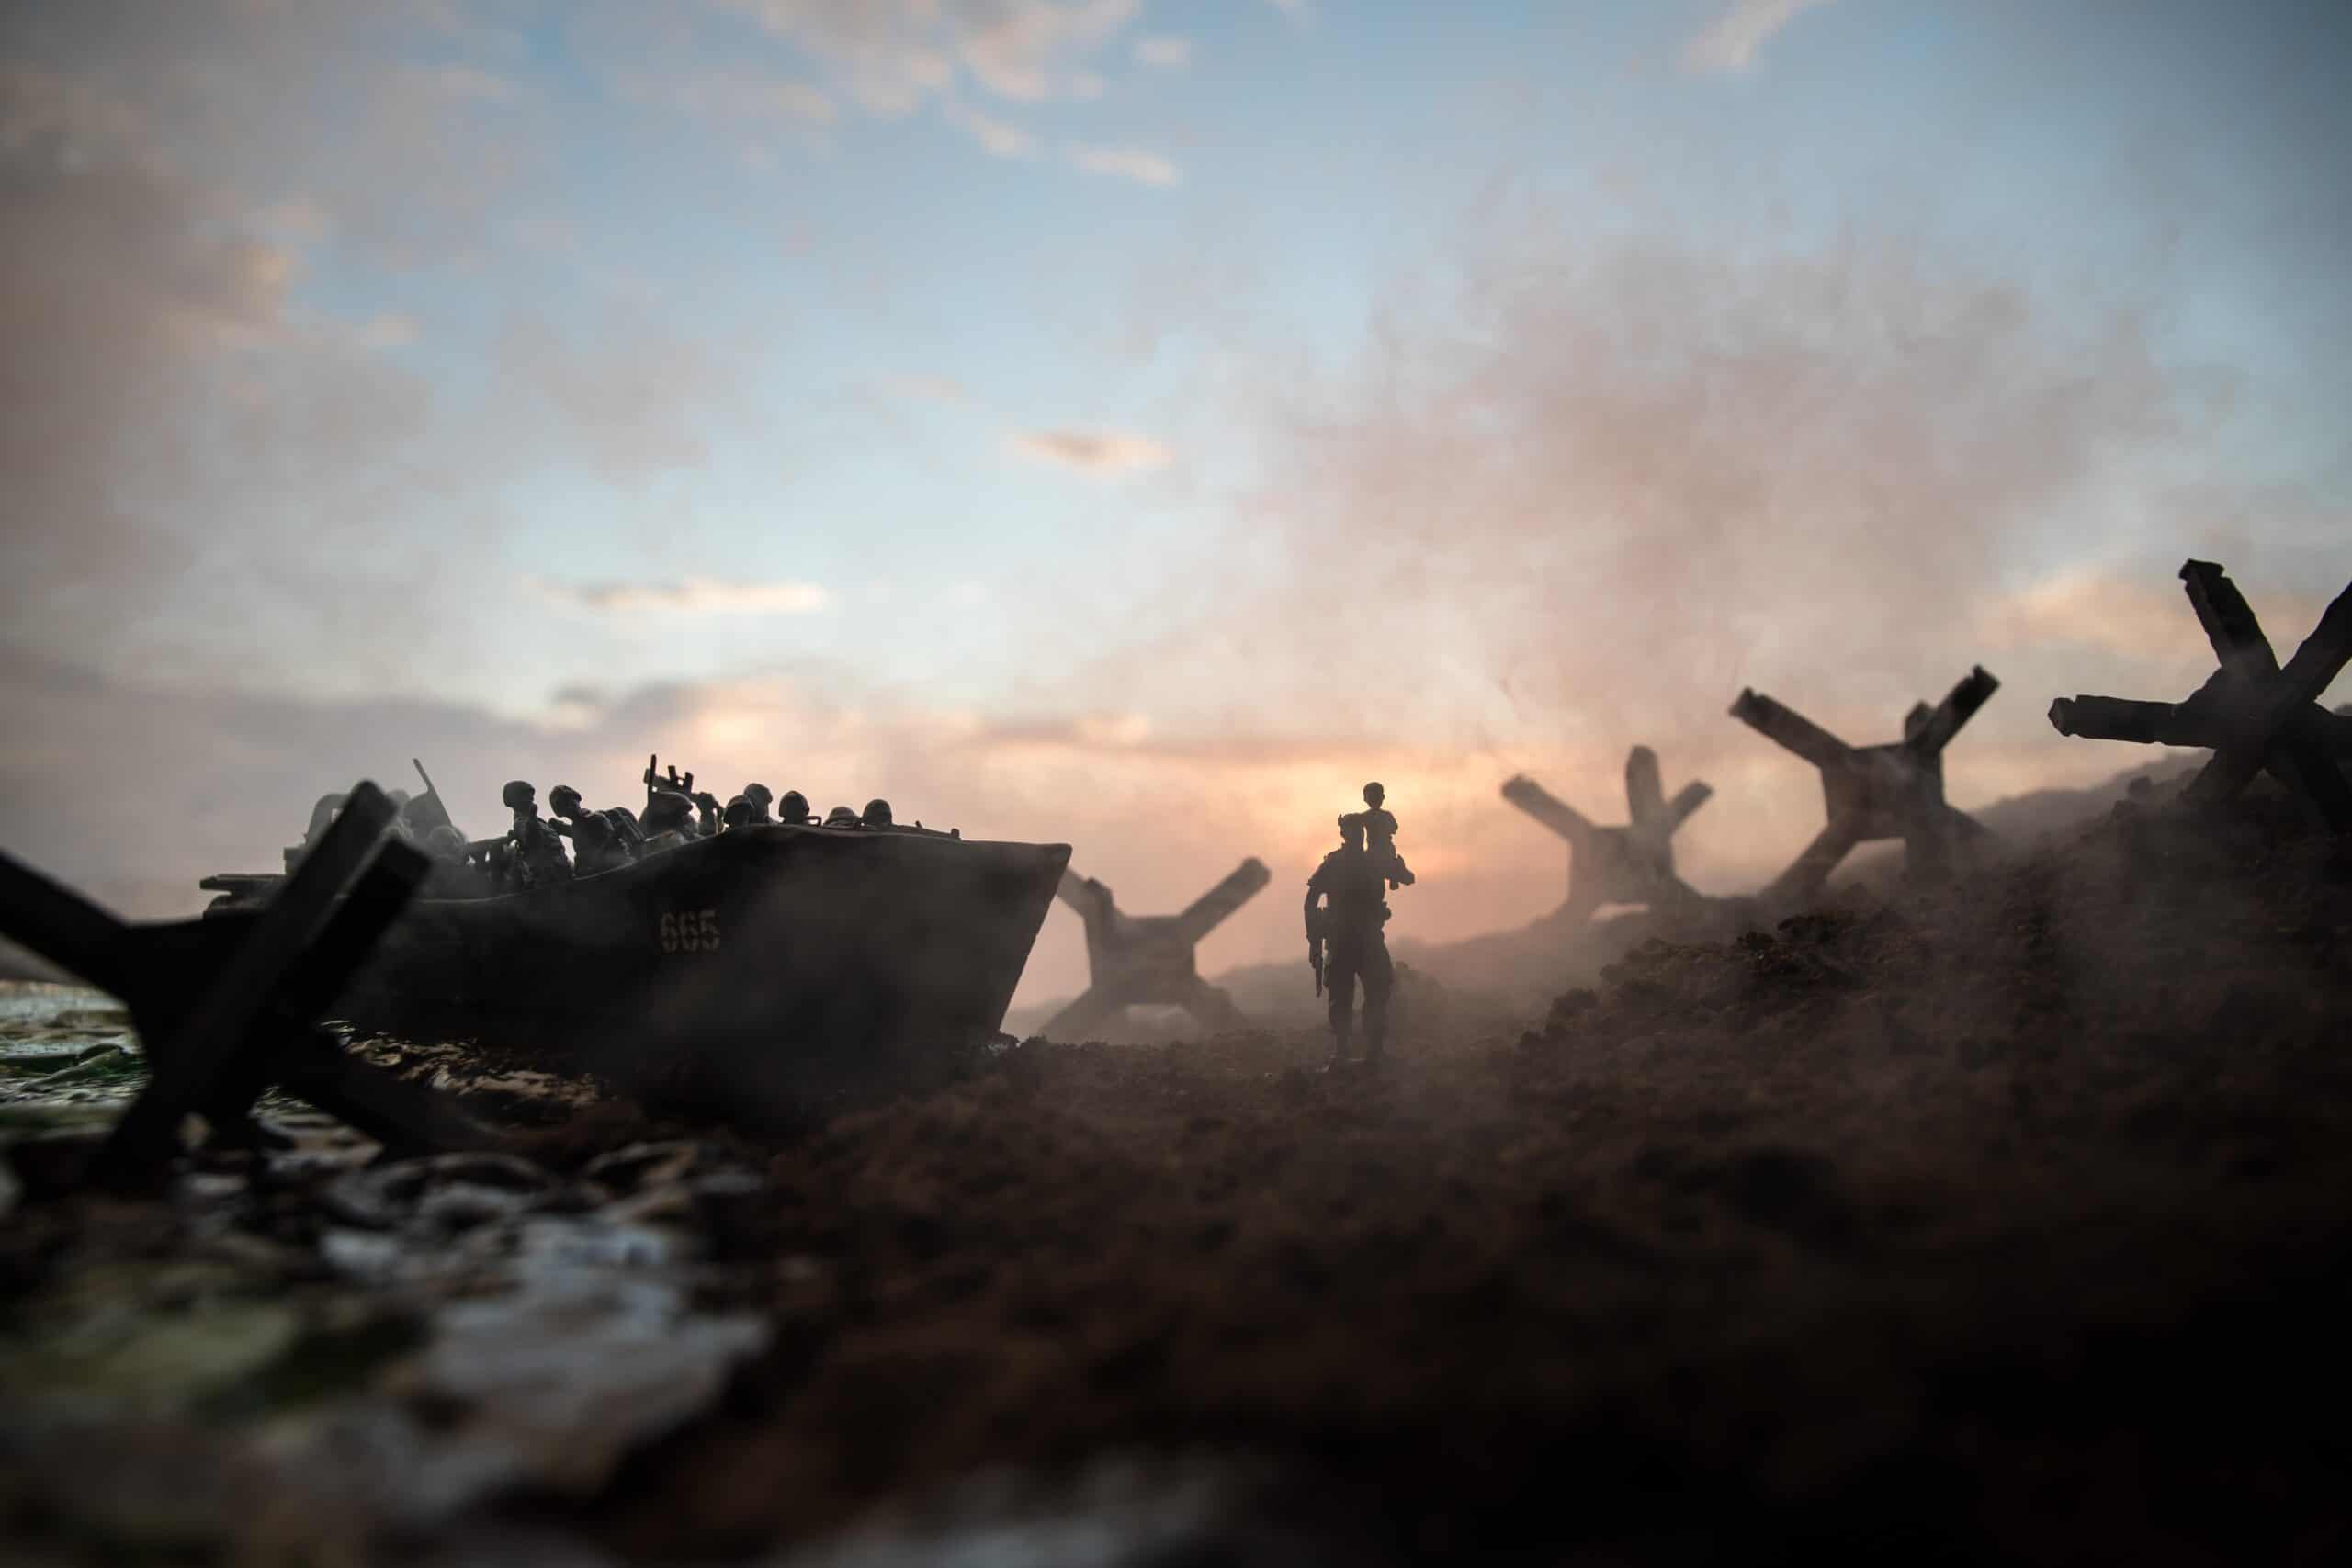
1135	424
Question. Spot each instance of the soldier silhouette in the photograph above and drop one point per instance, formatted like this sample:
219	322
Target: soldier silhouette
1380	838
1345	942
537	857
598	842
668	822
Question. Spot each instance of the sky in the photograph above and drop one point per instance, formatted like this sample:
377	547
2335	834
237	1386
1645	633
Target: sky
1133	424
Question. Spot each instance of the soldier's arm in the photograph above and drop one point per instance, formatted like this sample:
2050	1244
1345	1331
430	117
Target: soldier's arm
1313	892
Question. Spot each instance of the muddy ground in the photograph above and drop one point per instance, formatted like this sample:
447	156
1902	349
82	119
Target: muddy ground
2008	1222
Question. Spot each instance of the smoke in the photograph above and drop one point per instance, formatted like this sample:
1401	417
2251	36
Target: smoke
1615	483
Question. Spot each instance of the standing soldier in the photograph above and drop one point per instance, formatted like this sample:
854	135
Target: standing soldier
597	841
596	845
1345	942
539	855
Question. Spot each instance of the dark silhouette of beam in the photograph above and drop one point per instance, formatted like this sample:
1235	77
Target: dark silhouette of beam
1149	960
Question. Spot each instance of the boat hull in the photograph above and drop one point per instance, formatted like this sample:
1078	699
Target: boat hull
765	963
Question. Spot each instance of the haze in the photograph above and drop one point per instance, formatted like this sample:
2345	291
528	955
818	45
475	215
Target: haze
1136	425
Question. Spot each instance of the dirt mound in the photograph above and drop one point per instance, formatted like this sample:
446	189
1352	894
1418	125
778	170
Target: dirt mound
2004	1222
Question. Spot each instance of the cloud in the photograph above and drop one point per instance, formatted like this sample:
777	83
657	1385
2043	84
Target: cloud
202	460
1126	163
1016	47
1105	453
384	331
998	137
1165	52
626	397
470	83
735	95
691	596
892	55
79	117
927	389
1730	43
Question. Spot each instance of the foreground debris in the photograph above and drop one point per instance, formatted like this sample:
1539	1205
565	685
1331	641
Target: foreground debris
2252	713
311	1354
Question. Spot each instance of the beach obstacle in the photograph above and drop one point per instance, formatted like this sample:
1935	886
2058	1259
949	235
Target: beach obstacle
227	1005
1894	791
1628	865
2255	714
1149	960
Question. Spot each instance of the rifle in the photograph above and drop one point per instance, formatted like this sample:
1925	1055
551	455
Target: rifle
654	781
1315	950
425	818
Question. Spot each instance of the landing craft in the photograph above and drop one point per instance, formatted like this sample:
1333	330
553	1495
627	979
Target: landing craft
765	965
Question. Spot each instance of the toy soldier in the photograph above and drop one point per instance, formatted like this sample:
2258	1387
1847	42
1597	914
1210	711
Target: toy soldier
737	814
537	856
877	814
794	810
597	842
1345	941
453	875
1380	838
669	821
762	798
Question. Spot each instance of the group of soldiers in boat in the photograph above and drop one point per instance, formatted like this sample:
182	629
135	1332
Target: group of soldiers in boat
533	853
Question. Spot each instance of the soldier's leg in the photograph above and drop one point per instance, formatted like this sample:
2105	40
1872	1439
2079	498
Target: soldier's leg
1379	980
1340	985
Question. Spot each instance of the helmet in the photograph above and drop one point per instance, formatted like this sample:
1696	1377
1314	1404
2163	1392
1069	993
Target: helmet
738	813
795	808
840	817
1374	795
518	794
563	800
878	813
668	810
759	795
